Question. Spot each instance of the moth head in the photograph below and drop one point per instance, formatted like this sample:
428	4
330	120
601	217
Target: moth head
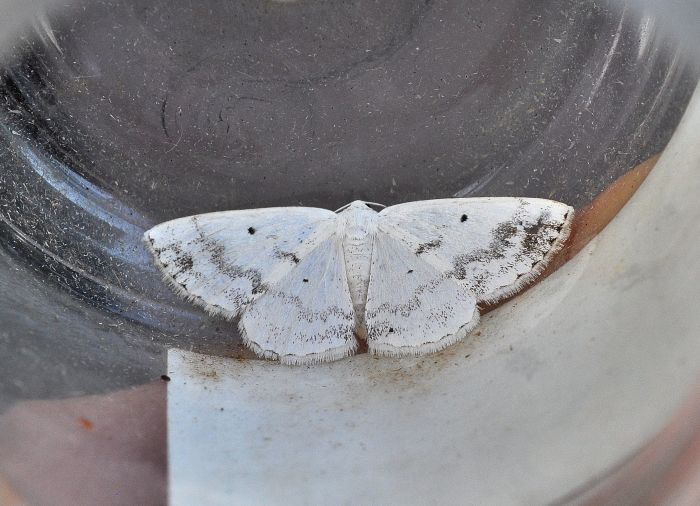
361	205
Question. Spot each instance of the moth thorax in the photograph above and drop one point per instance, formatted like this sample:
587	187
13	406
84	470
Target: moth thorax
360	228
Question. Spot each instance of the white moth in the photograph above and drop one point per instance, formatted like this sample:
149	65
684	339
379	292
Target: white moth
408	279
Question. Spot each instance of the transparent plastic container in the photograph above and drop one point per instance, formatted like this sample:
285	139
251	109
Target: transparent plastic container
115	116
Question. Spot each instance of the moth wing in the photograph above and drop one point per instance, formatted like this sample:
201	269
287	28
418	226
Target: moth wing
225	260
495	246
307	316
413	308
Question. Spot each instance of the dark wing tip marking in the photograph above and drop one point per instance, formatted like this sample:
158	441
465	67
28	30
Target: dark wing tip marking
550	248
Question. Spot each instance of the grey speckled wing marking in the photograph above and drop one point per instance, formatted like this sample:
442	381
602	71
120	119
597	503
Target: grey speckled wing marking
491	247
223	261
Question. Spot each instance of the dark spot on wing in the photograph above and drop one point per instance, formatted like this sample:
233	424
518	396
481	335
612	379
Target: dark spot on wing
381	320
427	246
251	230
464	218
526	243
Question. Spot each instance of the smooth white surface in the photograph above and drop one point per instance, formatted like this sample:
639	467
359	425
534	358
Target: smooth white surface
563	382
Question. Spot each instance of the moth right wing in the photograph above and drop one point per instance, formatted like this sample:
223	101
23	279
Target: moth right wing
413	308
434	260
223	261
495	245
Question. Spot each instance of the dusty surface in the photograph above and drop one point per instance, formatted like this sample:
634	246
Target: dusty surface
106	450
99	436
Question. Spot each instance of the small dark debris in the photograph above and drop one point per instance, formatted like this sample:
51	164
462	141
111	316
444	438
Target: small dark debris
165	377
463	218
251	230
305	280
391	330
409	271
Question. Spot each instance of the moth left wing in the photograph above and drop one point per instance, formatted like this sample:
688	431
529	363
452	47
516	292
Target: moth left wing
223	261
307	316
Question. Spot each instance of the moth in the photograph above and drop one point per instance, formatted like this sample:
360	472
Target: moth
307	283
